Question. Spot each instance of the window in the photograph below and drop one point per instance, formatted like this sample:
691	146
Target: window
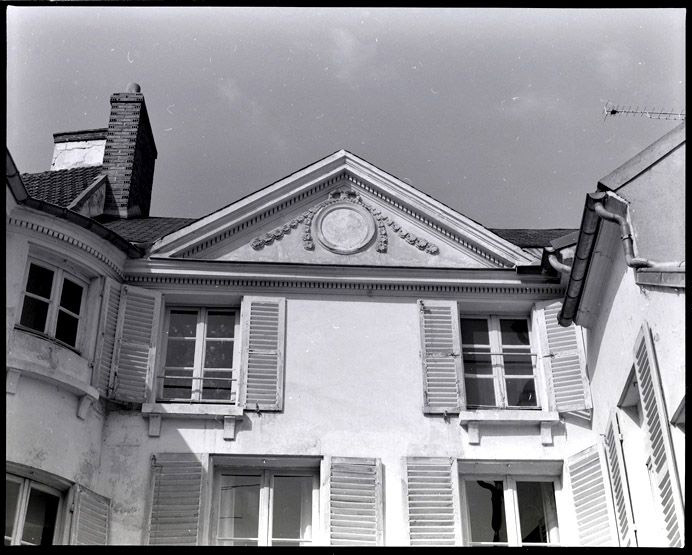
32	511
52	303
200	356
509	511
498	363
266	507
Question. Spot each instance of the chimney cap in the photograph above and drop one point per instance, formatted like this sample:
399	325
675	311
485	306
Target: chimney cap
133	88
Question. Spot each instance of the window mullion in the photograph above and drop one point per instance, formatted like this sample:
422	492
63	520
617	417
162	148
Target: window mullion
52	317
199	355
512	512
264	509
22	506
496	347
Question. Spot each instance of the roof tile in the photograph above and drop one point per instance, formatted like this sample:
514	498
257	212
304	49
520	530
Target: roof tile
146	230
60	187
531	237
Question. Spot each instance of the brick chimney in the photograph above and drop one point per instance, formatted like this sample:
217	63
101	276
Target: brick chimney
130	155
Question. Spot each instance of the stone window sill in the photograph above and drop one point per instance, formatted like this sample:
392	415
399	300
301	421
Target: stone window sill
156	411
473	419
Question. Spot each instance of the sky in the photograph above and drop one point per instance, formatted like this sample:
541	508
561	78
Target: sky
498	113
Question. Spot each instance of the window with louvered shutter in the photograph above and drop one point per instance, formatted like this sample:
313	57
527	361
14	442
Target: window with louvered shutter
106	337
443	388
618	480
564	359
175	504
659	440
263	329
90	519
432	496
593	506
355	501
135	342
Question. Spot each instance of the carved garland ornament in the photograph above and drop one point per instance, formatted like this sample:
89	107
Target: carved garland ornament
344	196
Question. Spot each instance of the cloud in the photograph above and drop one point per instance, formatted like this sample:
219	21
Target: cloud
229	90
349	55
613	63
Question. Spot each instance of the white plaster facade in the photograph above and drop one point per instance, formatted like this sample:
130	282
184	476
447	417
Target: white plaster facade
353	395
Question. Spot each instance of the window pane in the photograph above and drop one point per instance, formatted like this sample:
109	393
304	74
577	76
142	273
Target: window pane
292	511
535	515
474	331
518	364
479	392
34	314
182	324
175	387
11	499
514	332
71	297
220	324
486	510
40	281
218	354
41	512
239	507
521	392
477	363
66	328
217	385
180	352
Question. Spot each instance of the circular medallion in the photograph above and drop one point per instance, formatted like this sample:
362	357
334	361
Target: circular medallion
344	228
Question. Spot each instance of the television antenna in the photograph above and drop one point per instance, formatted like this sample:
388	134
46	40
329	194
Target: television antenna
611	109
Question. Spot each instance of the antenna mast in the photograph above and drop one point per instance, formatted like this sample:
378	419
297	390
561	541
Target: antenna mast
611	109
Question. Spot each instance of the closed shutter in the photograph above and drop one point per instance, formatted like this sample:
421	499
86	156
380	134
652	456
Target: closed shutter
658	432
90	518
443	382
135	340
106	337
618	479
591	496
432	495
263	332
563	358
355	501
175	506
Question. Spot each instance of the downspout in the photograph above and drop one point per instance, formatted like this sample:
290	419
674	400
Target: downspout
555	263
628	247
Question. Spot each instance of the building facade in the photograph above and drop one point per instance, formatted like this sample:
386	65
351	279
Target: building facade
336	359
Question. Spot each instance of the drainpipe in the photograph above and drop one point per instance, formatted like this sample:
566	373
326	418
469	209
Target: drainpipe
555	263
626	236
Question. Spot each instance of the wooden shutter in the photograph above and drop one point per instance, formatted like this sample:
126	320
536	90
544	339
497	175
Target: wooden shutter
618	479
355	501
591	496
658	433
432	495
90	518
175	506
443	381
108	323
135	339
563	358
263	329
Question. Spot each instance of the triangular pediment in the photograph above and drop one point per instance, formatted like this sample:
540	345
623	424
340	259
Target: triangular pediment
342	210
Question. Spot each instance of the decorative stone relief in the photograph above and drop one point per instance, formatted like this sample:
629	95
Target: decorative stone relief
345	225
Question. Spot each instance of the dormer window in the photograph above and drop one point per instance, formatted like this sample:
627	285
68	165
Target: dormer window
52	304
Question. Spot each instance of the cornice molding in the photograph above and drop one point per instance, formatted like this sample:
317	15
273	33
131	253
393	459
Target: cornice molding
64	237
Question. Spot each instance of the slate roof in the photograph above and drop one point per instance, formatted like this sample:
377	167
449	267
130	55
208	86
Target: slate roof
146	230
60	187
531	237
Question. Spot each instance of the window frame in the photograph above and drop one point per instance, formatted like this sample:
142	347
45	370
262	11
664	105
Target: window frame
266	498
510	507
497	352
26	485
54	307
198	360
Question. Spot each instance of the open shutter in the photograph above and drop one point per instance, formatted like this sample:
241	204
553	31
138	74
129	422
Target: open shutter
355	501
90	518
432	495
263	329
591	496
106	338
658	432
175	506
135	340
443	376
563	358
618	479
